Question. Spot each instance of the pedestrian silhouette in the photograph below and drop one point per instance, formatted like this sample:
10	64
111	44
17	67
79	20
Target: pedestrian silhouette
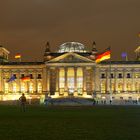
22	100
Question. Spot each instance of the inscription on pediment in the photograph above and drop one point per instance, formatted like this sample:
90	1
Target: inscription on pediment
70	58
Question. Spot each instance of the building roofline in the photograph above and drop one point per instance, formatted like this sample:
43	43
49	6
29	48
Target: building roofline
120	62
22	63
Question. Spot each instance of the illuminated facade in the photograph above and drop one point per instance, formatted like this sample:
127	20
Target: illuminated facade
71	71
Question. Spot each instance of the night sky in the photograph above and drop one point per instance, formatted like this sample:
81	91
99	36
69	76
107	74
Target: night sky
26	25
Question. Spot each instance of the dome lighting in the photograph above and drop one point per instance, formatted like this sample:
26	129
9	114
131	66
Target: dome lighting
71	47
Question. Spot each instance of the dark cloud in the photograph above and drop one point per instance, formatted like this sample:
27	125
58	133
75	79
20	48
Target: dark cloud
27	25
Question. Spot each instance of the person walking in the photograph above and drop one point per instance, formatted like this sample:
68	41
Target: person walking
22	100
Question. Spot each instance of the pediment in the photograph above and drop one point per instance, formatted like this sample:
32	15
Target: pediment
70	58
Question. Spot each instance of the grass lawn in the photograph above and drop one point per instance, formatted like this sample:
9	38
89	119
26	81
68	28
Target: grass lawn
70	123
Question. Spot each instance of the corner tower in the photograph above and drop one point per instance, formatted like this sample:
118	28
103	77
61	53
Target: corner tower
4	54
93	51
47	54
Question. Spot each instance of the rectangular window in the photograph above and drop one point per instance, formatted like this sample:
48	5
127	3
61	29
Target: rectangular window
6	87
112	75
31	76
137	75
39	76
15	76
31	87
103	75
14	87
120	75
23	87
103	87
22	75
128	75
39	88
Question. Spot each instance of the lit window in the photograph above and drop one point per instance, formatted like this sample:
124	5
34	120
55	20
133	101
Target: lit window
79	78
120	87
61	78
112	86
23	87
70	78
39	87
137	75
6	87
31	87
103	87
14	87
137	87
128	87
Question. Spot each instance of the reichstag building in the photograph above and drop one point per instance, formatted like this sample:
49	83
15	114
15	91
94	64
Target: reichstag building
70	72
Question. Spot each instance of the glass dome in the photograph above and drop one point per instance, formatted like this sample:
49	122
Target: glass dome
71	47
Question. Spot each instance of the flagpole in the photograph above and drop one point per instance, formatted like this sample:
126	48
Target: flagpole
104	56
94	94
110	78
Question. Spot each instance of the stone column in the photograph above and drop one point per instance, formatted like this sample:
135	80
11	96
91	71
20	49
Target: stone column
124	80
97	83
57	79
108	80
93	79
84	79
48	80
133	80
35	81
19	85
115	82
66	82
44	78
27	83
75	81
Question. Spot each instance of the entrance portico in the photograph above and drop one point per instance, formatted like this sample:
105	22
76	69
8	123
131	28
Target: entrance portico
71	81
71	75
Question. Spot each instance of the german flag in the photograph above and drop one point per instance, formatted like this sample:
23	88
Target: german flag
103	56
26	78
17	56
